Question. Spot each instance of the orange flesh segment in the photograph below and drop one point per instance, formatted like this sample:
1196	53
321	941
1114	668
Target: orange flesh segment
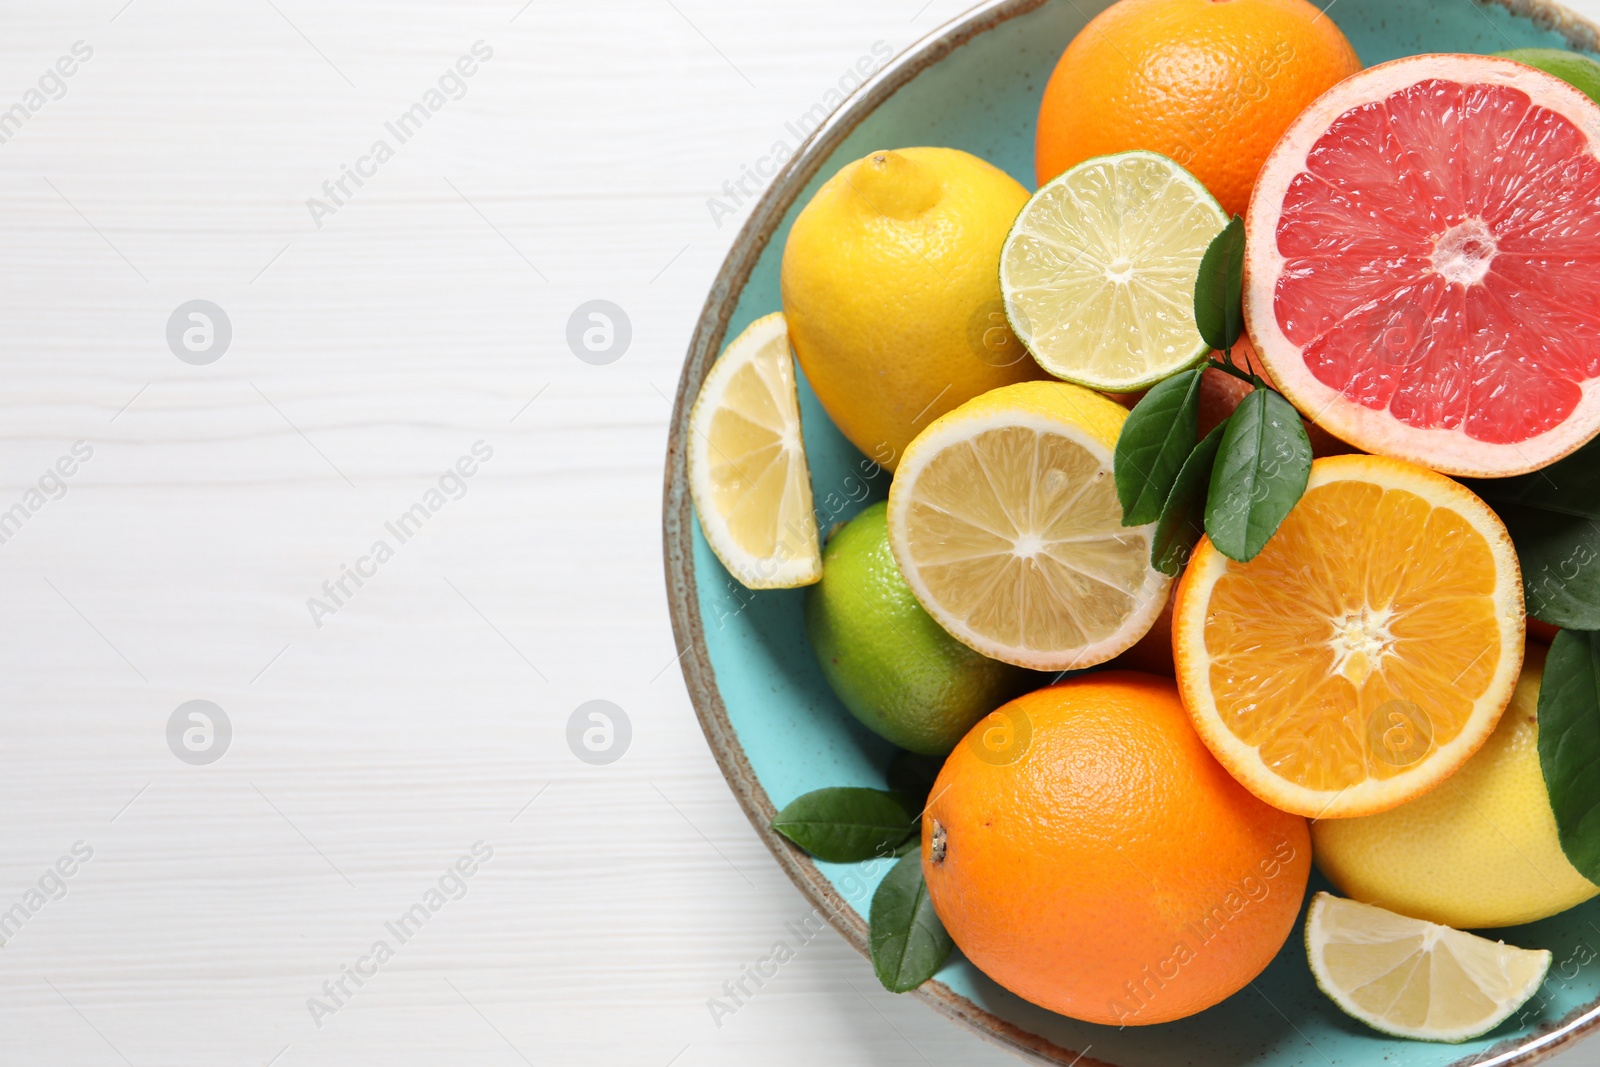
1358	639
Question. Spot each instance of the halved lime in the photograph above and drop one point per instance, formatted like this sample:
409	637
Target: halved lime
1416	979
1098	271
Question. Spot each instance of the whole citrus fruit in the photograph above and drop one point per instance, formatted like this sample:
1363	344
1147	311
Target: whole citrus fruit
1210	83
891	287
894	667
1085	851
1480	850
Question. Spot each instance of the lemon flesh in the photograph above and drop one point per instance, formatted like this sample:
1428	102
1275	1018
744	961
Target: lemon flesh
1413	978
747	463
1099	269
1005	522
1479	850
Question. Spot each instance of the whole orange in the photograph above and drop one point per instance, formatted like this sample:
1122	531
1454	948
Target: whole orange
1210	83
1085	850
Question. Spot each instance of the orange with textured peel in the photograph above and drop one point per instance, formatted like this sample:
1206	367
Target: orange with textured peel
1085	851
1210	84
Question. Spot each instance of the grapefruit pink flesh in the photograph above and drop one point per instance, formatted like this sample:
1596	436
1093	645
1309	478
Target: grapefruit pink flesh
1435	261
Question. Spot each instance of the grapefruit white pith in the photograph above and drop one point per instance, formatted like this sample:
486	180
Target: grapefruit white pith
1421	264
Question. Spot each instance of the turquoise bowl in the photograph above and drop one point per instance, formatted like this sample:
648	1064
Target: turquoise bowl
778	731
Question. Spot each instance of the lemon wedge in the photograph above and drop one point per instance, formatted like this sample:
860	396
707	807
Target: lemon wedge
1413	978
747	463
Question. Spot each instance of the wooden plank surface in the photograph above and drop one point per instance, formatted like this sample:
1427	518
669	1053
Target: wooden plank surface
376	341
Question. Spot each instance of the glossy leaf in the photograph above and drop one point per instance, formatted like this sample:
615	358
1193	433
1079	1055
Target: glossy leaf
1260	471
1569	745
846	824
1553	516
909	944
1183	516
1560	557
1160	431
1218	289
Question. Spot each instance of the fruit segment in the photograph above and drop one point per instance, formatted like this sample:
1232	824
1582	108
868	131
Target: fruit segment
747	463
1416	979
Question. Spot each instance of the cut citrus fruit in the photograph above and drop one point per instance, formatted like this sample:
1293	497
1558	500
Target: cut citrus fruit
1098	271
1416	979
747	463
1369	649
1420	264
1003	517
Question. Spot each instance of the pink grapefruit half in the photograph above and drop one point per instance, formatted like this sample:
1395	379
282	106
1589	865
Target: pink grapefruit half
1422	264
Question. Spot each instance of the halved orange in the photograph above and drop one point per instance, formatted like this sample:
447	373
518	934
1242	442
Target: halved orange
1366	652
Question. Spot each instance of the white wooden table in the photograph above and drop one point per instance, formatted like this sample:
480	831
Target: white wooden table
227	911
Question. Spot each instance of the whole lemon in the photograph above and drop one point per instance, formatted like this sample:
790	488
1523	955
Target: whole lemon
891	286
1478	851
888	661
1086	851
1212	84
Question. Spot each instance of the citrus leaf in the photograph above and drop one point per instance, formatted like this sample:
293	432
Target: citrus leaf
909	943
1159	433
1569	745
846	824
1560	558
1553	516
1261	469
1219	287
1183	516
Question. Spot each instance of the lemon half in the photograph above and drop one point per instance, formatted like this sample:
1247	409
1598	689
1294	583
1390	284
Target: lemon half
1004	520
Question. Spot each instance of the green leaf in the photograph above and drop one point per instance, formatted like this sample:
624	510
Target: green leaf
1569	486
1220	286
1183	516
1160	431
1553	516
1560	557
1261	469
846	824
1569	745
909	943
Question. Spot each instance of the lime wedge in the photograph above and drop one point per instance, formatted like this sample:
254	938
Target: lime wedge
1416	979
1098	271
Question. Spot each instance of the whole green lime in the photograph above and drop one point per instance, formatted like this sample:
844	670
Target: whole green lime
1574	68
889	662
